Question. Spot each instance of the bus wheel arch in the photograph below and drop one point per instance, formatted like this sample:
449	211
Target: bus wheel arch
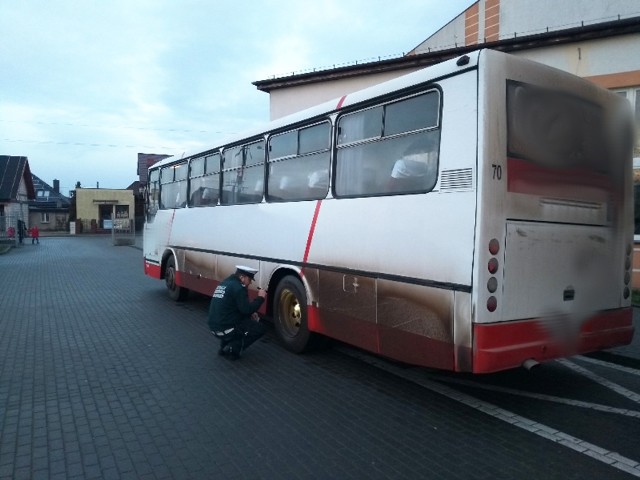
290	313
168	272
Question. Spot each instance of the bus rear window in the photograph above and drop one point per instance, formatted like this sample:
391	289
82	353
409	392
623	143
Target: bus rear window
554	140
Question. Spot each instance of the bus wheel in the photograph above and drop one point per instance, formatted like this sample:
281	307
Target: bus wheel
290	315
176	292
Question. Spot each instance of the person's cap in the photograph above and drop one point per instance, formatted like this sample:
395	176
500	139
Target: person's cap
248	271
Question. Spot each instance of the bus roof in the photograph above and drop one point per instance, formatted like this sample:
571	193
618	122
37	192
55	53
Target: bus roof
407	81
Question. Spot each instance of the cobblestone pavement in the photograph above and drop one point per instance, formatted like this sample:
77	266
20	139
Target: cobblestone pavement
102	376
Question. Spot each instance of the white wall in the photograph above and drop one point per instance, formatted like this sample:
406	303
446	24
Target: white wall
526	17
289	100
590	58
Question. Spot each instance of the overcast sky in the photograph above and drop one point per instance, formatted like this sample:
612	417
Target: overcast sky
86	85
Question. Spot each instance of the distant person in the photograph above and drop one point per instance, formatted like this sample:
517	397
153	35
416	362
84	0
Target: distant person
35	235
233	318
21	230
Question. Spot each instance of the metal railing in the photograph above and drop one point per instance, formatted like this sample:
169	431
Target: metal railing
124	231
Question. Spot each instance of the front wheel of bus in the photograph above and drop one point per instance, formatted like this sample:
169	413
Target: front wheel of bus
290	315
176	292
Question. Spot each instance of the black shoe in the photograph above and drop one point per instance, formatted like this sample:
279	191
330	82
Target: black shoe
224	351
230	354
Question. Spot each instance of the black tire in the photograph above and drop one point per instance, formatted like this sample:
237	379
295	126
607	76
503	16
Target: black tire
290	315
176	292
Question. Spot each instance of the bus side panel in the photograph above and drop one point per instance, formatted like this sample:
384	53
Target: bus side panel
416	324
155	236
504	345
199	272
409	323
196	283
463	332
348	309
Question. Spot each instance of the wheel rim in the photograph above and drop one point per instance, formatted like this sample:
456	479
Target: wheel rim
290	312
170	278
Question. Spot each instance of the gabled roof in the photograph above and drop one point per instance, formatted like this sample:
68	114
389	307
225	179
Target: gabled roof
50	200
12	171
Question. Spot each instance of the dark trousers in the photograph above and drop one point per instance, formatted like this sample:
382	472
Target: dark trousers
243	335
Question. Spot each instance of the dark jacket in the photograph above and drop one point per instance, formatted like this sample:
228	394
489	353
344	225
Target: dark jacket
230	305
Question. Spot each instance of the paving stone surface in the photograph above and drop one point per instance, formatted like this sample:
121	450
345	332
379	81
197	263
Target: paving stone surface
102	376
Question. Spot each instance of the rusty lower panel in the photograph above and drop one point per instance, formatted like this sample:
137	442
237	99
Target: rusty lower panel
416	324
200	264
347	309
409	323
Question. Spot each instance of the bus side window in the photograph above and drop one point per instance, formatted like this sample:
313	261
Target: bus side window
243	170
416	168
299	164
403	159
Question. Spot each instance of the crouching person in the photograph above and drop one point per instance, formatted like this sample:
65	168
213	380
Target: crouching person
233	318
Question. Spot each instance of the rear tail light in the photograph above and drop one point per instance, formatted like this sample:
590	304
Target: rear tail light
627	272
492	266
494	246
492	304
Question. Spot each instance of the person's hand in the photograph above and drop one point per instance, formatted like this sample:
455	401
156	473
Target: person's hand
255	317
262	293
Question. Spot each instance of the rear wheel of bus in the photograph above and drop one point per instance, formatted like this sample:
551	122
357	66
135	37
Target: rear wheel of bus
290	315
176	292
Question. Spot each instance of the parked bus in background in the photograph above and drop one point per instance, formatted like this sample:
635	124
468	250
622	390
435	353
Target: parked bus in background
476	215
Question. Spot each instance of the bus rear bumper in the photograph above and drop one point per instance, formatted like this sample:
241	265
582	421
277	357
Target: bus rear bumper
504	345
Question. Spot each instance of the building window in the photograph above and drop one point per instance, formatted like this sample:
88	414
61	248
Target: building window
633	95
44	217
122	211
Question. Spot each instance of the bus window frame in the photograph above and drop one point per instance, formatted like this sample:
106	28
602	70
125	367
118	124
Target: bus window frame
344	146
174	168
242	168
206	173
302	187
153	207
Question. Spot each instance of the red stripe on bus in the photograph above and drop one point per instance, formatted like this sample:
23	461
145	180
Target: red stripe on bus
312	229
340	102
527	177
152	270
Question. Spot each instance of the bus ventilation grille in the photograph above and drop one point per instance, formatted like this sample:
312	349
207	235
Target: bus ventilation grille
456	180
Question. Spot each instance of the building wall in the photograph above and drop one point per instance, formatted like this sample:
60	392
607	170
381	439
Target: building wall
608	62
293	99
528	17
592	58
57	221
490	20
19	209
88	201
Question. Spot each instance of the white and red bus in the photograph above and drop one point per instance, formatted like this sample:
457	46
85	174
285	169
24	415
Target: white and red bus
473	216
